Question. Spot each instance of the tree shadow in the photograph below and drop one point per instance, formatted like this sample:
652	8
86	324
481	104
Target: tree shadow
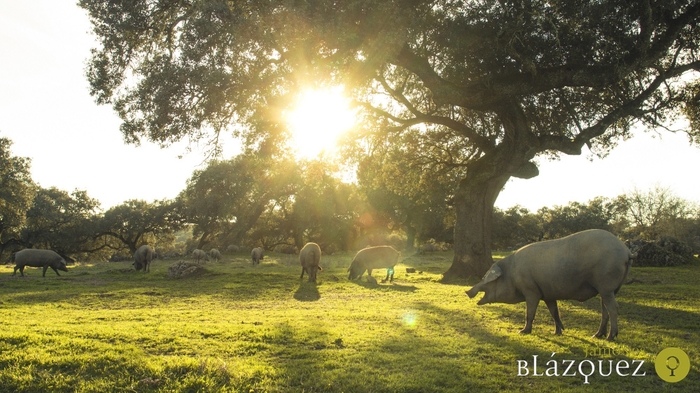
401	360
385	287
307	292
239	284
649	315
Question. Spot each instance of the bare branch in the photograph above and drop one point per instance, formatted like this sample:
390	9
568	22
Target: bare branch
630	108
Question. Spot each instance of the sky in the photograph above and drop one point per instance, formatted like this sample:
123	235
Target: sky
48	113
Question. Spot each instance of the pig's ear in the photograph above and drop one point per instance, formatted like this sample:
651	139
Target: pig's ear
492	274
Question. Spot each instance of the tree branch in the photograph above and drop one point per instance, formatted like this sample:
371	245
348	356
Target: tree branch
630	108
488	92
483	143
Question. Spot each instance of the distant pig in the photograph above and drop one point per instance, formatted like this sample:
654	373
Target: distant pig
199	255
256	255
215	254
38	258
143	257
310	257
575	267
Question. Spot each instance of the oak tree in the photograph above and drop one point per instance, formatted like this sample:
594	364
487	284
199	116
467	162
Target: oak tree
17	191
134	223
491	85
224	200
64	222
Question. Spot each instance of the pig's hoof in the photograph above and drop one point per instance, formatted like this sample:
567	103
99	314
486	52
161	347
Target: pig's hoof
558	329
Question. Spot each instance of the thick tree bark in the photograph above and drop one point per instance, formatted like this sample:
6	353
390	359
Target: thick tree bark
203	240
474	203
410	238
477	193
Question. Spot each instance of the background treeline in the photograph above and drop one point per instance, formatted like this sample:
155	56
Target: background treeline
280	204
647	215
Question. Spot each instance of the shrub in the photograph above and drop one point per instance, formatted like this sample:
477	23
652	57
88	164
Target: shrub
667	251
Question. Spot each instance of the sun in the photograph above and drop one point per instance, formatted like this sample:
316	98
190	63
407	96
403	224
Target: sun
317	119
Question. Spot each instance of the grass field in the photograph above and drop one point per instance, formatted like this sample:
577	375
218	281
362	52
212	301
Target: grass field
239	328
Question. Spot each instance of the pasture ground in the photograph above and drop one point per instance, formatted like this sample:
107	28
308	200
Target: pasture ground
240	328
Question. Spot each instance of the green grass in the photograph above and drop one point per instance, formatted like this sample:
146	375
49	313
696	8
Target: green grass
239	328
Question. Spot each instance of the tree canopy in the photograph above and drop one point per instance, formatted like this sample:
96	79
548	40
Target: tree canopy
62	221
486	86
137	222
225	199
17	191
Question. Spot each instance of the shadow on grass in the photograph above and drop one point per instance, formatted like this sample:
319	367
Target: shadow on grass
649	315
385	287
225	281
665	315
404	358
307	292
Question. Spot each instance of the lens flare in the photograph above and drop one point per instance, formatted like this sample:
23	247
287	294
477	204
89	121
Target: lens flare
410	318
318	119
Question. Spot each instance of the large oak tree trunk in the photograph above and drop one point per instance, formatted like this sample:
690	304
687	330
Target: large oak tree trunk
477	192
474	203
410	237
203	240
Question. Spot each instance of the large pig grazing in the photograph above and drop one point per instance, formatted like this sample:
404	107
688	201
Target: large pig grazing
199	255
143	257
575	267
310	257
374	258
38	258
215	254
256	255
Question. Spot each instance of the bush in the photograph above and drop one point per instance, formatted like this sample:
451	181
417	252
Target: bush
398	241
675	246
285	249
667	251
182	269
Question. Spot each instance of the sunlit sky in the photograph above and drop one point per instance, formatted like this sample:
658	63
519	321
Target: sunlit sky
46	110
310	118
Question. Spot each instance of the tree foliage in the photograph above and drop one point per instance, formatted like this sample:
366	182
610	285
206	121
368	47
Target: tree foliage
598	213
225	200
408	188
324	209
658	212
515	227
16	194
137	222
63	222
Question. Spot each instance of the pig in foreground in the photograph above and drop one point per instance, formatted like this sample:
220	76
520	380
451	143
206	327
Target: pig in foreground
256	255
310	257
143	257
374	258
575	267
38	258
